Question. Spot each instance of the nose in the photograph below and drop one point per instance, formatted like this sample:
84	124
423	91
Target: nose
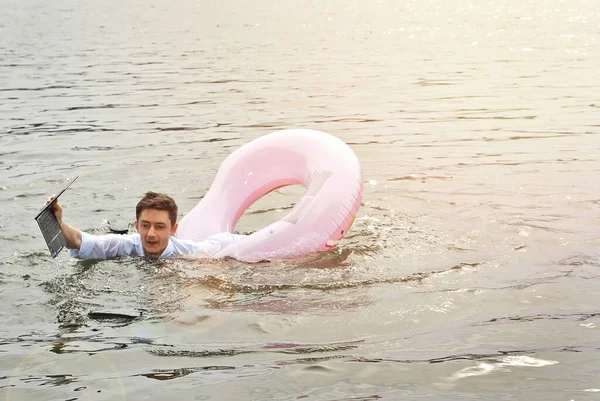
151	232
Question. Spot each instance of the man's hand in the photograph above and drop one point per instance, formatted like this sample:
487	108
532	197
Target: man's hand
72	235
56	208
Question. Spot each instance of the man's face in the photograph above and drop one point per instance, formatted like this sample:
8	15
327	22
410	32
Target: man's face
155	229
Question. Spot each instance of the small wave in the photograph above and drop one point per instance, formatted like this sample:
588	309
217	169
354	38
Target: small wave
170	374
529	318
41	88
422	178
166	129
102	148
277	348
503	358
501	365
206	353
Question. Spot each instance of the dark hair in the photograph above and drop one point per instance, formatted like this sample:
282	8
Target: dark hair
157	201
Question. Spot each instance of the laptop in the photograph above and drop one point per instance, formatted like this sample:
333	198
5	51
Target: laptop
49	225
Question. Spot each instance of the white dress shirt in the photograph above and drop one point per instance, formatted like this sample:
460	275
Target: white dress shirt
113	245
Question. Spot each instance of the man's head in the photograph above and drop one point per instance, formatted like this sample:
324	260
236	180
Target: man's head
156	221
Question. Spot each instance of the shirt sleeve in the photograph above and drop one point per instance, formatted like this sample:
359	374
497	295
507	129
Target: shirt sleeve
209	247
217	242
104	246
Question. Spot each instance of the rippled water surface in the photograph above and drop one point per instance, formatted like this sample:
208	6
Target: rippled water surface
472	270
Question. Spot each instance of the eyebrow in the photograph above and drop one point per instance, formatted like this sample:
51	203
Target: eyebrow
150	222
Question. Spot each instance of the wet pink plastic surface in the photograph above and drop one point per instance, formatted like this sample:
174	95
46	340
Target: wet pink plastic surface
324	164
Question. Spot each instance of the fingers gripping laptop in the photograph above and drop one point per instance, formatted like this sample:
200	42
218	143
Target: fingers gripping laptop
49	226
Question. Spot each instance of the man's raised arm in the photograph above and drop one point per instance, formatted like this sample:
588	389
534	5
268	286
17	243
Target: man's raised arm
72	235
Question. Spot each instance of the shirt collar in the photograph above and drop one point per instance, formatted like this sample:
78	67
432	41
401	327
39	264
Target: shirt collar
169	250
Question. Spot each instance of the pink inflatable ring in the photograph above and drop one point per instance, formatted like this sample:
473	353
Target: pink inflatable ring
326	166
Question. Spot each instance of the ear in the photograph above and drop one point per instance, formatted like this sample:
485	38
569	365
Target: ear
174	228
135	224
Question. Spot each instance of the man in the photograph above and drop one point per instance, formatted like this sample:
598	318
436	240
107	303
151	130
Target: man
155	222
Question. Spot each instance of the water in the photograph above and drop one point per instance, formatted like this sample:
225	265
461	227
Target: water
471	272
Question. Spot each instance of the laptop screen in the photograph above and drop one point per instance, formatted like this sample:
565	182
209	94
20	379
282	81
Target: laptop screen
53	235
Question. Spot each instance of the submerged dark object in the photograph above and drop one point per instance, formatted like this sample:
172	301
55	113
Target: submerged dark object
114	315
118	226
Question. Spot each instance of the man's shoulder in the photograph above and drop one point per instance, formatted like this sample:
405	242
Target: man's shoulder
133	238
175	241
180	247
